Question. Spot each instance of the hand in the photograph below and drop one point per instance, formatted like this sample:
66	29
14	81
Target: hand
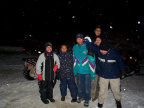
40	77
88	39
122	74
90	52
55	68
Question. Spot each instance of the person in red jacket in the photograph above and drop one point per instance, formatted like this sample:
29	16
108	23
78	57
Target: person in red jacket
46	66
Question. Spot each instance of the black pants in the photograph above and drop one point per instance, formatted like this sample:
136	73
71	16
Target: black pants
46	90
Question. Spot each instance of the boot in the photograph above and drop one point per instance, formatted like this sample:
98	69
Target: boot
80	100
86	103
118	104
45	101
74	100
100	105
52	100
63	98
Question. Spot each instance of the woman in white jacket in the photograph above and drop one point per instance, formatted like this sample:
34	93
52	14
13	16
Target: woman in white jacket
46	66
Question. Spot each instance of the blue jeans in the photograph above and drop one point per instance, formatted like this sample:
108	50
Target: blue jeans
71	85
84	86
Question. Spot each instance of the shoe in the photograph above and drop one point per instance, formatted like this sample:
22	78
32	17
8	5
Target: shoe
86	103
52	100
45	101
63	98
74	100
80	100
100	105
118	104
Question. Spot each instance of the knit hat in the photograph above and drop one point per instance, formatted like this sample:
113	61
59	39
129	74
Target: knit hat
47	44
104	45
79	35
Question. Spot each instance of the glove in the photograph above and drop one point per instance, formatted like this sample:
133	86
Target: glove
90	52
87	40
122	74
55	68
40	77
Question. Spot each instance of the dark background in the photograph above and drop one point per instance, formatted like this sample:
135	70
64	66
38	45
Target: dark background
58	21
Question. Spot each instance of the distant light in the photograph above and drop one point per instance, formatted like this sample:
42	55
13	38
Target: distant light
59	17
127	39
39	52
130	57
111	27
136	30
30	35
35	50
139	22
69	2
100	14
24	49
73	16
138	37
57	33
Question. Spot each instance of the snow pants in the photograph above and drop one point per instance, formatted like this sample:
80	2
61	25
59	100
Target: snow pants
46	90
95	88
71	85
84	86
115	87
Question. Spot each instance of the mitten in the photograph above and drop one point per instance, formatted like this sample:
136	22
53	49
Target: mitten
87	40
40	77
55	68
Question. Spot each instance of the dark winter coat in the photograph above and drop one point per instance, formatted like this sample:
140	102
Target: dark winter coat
109	65
66	62
49	65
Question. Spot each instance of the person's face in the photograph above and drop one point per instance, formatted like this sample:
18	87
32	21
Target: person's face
98	41
48	48
103	52
80	41
97	31
64	48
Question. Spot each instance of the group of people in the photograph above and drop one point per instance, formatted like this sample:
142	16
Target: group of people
87	72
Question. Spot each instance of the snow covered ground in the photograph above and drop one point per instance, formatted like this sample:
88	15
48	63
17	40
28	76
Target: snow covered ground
17	92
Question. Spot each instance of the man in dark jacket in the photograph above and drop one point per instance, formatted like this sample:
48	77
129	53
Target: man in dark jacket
109	65
66	74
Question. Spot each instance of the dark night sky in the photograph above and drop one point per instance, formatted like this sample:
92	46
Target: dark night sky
58	20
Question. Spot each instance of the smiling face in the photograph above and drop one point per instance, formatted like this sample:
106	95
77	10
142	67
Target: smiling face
80	41
64	48
98	41
97	31
48	48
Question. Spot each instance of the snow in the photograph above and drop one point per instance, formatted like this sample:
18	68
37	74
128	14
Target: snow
17	92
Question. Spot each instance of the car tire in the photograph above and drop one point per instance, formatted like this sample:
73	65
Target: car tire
27	76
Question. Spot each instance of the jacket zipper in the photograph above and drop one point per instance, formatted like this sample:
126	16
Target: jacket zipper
50	68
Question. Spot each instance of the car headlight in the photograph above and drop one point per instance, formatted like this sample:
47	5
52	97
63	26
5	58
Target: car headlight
39	52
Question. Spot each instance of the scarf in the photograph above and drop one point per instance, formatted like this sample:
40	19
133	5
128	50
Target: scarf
49	53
